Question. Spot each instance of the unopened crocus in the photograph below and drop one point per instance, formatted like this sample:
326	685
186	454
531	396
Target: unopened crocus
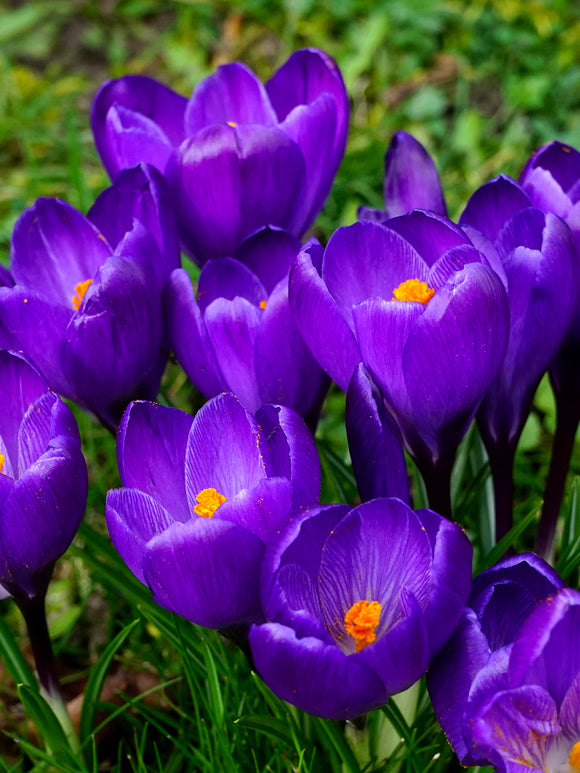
411	181
473	665
86	303
238	334
202	496
551	179
357	602
238	155
539	260
418	304
43	494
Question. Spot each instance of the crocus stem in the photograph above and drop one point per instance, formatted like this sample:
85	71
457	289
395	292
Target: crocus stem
568	417
33	611
501	462
437	477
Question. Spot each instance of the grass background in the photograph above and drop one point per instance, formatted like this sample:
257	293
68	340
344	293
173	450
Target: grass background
482	84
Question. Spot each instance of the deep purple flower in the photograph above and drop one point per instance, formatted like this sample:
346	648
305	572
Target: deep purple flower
43	479
413	300
239	335
238	155
86	305
357	601
551	179
411	181
201	498
538	257
473	665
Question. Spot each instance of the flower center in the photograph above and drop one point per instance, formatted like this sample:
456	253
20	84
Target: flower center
80	291
413	290
574	759
361	622
209	500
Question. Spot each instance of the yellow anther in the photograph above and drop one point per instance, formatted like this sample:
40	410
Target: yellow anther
2	460
209	500
80	291
361	622
574	758
262	305
413	290
232	123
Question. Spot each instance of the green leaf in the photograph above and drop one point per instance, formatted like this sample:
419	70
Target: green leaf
44	718
10	652
507	541
275	728
96	679
215	693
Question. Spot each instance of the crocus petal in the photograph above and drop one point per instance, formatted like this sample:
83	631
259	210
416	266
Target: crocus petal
313	675
411	179
560	160
188	335
544	636
491	205
450	577
374	442
316	313
260	510
207	571
385	537
35	434
110	340
286	371
229	182
232	327
429	233
132	138
151	445
451	675
367	260
570	710
22	385
228	278
54	247
232	95
142	194
38	328
41	515
134	518
515	727
292	452
269	253
138	94
225	449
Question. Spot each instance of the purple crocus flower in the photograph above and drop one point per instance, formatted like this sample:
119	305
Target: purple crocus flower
532	721
357	601
473	664
411	181
43	479
238	155
538	257
86	304
239	334
551	179
201	498
415	301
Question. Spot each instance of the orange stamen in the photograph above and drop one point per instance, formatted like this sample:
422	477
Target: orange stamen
209	500
80	291
574	759
361	622
413	290
2	460
232	123
263	305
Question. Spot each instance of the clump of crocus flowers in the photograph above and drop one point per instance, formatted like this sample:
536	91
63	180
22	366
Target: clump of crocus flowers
426	324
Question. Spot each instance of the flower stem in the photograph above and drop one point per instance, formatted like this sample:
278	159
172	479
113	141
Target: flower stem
437	478
33	611
501	462
568	417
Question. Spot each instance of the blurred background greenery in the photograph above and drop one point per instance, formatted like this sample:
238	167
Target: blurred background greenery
482	84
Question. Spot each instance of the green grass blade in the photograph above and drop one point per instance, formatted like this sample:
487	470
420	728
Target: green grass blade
45	720
508	540
96	679
13	658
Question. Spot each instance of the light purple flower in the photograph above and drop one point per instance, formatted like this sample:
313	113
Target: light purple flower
43	479
238	334
357	601
472	667
238	155
86	304
201	498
